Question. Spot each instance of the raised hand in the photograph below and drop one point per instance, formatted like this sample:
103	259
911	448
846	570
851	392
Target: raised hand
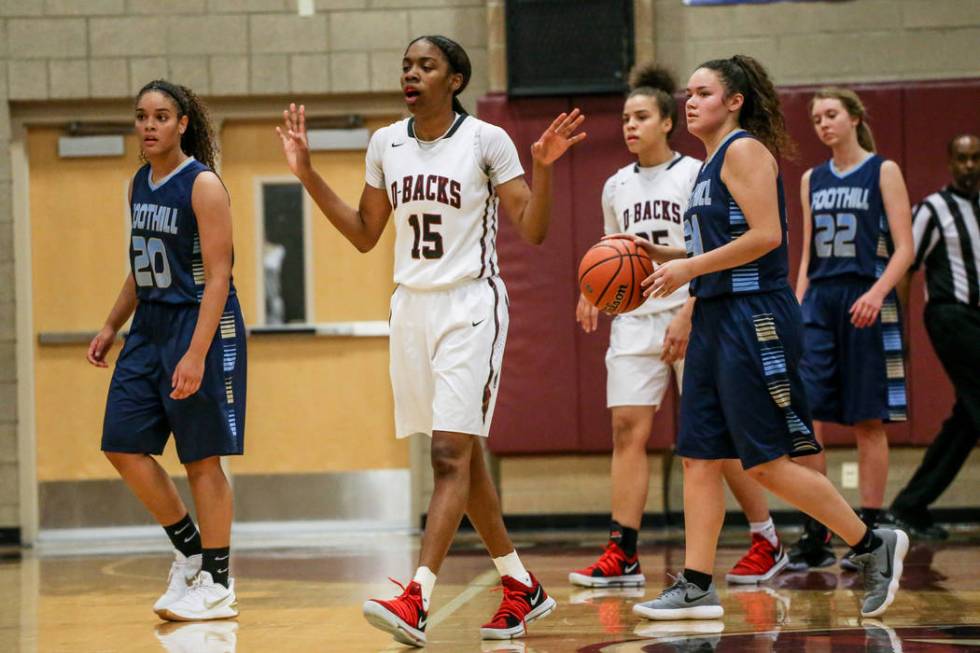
558	137
295	145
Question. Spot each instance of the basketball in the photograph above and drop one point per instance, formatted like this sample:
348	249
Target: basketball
610	274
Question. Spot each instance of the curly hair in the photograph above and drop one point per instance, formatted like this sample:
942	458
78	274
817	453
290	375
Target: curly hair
658	83
198	139
760	114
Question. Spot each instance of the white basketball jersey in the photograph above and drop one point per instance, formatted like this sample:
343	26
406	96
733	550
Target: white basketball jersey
443	197
650	202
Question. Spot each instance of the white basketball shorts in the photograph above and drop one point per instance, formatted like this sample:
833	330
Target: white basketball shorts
446	348
635	374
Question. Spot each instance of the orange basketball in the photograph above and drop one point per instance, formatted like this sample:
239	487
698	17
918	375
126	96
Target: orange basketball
610	274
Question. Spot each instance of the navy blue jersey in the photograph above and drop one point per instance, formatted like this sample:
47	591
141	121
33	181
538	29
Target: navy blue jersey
714	219
165	248
850	229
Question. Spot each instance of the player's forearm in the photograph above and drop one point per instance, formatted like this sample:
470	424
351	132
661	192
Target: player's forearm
663	253
341	215
536	217
209	315
750	246
898	266
124	306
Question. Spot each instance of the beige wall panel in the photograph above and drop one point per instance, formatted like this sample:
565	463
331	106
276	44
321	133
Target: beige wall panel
70	404
78	233
319	405
347	285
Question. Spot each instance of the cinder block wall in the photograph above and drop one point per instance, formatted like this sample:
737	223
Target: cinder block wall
800	43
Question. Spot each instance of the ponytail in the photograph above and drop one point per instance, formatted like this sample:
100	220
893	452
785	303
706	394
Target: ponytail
198	139
761	114
854	107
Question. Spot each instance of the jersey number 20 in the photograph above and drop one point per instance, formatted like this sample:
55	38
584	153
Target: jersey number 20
150	264
833	235
426	233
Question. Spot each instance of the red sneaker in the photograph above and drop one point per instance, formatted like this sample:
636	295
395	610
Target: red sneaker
612	568
520	606
762	562
403	617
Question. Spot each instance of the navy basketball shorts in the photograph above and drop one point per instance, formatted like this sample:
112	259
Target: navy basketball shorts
850	374
743	397
140	415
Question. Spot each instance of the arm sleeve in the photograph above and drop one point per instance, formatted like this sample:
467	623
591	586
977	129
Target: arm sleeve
499	155
610	224
373	172
925	232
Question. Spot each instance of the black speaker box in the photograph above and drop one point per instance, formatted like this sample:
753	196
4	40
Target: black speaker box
561	47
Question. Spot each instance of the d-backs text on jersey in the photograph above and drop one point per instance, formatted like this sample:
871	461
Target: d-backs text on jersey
652	210
431	188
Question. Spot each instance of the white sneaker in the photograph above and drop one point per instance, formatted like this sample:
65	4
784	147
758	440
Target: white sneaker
204	637
182	572
204	600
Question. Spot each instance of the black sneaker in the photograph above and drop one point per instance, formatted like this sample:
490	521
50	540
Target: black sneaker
847	562
811	551
918	529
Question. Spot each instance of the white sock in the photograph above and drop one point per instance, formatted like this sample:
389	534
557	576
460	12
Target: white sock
767	529
511	565
426	580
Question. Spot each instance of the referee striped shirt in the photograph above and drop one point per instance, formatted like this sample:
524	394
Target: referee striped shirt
946	228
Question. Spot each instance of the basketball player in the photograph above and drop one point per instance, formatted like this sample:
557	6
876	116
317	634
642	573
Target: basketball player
182	369
857	244
647	198
743	397
444	173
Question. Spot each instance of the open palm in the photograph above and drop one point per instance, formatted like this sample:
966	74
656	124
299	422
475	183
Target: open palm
295	145
559	136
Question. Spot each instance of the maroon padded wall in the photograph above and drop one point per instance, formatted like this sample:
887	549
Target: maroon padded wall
552	396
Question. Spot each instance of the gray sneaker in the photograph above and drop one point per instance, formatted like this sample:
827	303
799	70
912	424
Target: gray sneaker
882	569
682	600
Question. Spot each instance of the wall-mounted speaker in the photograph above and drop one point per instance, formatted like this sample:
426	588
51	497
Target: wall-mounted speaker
560	47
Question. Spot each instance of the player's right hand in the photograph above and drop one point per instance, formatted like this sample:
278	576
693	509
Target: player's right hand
295	144
100	346
642	243
586	314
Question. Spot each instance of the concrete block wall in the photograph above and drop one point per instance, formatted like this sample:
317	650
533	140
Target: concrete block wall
801	43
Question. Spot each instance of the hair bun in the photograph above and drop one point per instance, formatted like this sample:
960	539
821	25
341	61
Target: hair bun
652	76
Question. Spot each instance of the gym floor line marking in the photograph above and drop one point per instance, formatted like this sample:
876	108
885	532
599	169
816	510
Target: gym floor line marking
477	585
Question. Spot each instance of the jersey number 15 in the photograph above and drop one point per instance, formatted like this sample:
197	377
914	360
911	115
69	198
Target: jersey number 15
428	241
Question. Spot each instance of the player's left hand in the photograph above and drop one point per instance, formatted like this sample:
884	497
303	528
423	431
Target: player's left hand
676	337
864	312
558	137
187	376
668	277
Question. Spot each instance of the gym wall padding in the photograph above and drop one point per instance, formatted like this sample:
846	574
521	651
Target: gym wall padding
552	395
